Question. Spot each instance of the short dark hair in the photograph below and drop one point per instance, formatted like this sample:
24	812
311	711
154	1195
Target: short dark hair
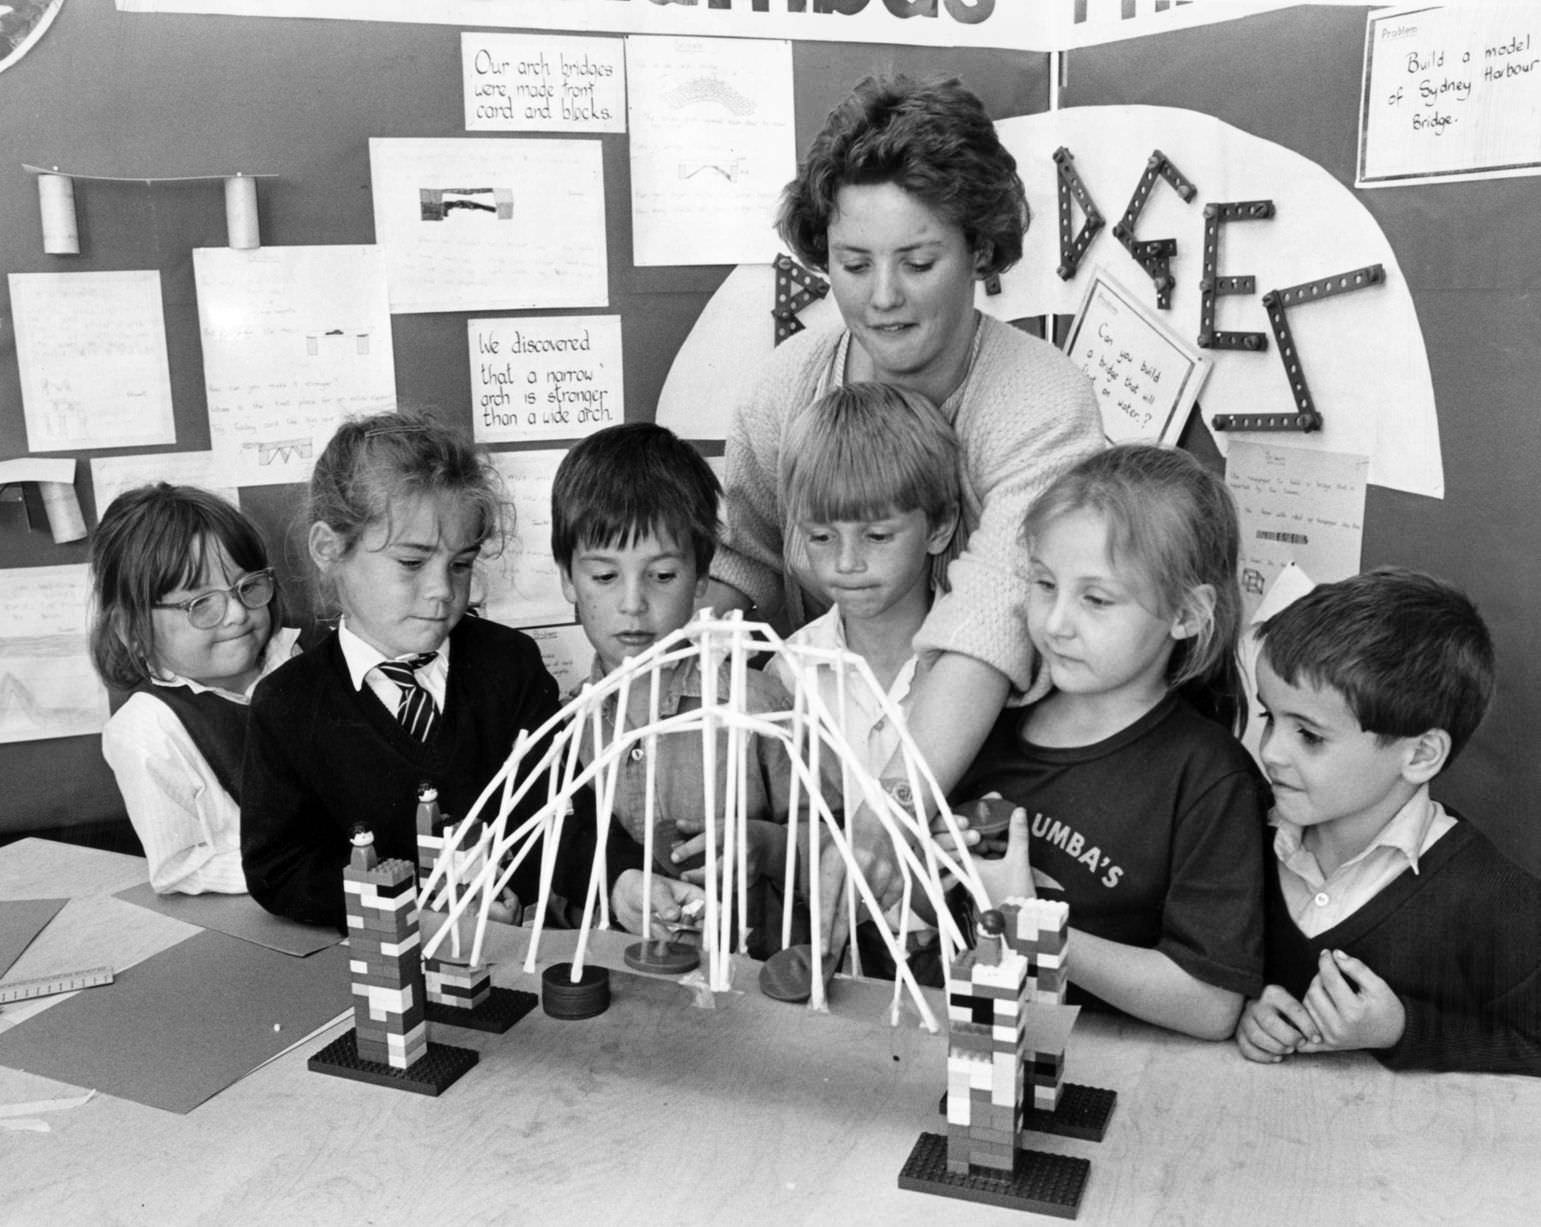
625	482
150	541
1408	652
932	138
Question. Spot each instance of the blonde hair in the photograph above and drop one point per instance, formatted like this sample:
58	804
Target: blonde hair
1174	522
866	450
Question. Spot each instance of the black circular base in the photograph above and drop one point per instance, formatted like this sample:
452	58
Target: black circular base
663	957
561	998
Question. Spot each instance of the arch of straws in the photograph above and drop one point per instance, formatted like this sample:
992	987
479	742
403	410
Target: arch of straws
550	763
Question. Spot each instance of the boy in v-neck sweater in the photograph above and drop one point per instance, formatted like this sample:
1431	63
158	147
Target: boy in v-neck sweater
1393	926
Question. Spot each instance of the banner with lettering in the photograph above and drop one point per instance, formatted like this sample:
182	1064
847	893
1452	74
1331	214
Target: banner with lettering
1009	25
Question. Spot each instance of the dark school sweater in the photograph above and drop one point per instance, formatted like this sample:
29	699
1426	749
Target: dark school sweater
216	725
322	755
1459	942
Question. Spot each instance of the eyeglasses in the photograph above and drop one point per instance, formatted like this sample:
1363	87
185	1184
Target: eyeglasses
207	611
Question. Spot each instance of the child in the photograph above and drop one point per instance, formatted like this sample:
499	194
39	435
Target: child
186	616
872	497
407	689
1146	816
1392	924
633	530
871	475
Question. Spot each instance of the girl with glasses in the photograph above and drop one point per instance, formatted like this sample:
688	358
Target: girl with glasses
186	617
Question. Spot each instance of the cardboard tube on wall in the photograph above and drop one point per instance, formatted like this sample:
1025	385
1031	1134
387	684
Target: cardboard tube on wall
63	508
56	200
241	212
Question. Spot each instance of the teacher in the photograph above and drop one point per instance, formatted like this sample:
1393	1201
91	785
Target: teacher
907	198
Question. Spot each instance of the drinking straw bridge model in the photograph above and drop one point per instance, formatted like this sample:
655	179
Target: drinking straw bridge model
481	852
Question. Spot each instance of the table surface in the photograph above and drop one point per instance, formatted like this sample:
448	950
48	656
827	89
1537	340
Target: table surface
665	1110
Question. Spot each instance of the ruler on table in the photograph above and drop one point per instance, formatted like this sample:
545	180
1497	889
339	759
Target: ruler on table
47	986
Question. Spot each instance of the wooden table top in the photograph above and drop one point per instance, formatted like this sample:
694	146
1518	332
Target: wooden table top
739	1111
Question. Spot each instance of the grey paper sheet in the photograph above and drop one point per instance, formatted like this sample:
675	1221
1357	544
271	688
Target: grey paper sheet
184	1024
236	916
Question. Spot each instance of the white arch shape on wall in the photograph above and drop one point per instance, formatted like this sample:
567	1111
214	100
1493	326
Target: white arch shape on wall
482	852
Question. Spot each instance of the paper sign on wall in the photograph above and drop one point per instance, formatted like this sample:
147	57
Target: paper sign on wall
543	83
553	377
712	145
1145	378
47	685
488	224
91	348
1299	506
520	587
566	653
1450	93
295	340
112	475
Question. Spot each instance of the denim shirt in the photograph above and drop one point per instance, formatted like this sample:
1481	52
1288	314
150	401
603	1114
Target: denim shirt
679	762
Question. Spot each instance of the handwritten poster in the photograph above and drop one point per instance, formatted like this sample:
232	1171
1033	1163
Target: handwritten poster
1451	93
543	83
1145	378
567	654
47	685
712	145
1305	507
91	348
485	223
295	339
555	377
111	475
521	586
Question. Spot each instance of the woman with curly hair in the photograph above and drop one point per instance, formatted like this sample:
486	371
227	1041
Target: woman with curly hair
906	198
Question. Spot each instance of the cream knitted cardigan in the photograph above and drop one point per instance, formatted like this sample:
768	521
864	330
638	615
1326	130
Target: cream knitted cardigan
1023	414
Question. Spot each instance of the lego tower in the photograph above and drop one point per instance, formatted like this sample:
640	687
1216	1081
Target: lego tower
986	1040
996	1048
383	941
389	1041
1039	931
455	990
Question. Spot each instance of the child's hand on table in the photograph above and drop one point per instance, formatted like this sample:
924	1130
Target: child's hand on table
1274	1026
1351	1006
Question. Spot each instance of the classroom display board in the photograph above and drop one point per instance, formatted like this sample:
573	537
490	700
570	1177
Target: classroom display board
1253	196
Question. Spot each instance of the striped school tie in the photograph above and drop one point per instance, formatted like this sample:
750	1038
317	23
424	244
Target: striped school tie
416	710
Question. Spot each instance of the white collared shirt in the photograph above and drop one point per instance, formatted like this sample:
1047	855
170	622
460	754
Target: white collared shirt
189	825
1318	902
867	728
361	660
